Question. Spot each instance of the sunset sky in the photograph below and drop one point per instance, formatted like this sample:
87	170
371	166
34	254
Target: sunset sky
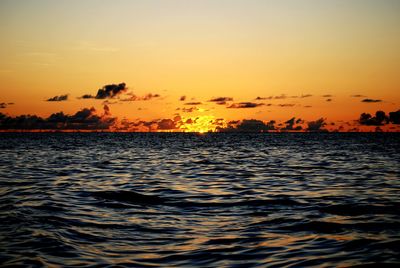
303	58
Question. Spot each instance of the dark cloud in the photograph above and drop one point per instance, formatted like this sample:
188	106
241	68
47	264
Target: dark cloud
59	98
106	110
108	91
379	119
166	124
307	106
371	100
221	100
193	103
327	96
87	96
245	105
251	125
394	117
169	124
85	119
290	125
263	98
254	125
328	100
234	122
111	91
4	105
182	98
137	126
317	125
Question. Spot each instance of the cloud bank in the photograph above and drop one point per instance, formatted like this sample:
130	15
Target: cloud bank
380	118
85	119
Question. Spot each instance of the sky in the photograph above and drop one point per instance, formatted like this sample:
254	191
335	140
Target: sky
270	60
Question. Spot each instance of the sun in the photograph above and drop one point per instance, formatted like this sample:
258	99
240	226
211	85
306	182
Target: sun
201	124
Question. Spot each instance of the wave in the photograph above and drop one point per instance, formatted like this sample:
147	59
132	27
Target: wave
133	197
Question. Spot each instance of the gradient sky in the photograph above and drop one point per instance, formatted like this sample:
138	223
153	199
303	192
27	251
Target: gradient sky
202	49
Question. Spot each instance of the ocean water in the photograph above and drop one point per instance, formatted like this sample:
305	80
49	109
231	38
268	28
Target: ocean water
191	200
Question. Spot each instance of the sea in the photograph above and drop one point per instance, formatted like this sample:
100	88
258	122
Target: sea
199	200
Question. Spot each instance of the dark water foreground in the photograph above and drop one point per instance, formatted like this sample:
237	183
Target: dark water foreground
222	200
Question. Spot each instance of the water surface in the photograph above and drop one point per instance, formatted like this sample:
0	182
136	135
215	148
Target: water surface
212	200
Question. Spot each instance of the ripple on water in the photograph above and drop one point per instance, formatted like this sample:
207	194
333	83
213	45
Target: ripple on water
225	200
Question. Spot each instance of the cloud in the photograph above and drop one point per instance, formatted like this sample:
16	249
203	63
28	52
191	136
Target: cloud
245	105
286	105
106	110
379	119
317	125
169	124
4	105
251	125
328	100
109	102
281	97
190	109
290	124
306	96
85	119
358	96
108	91
394	117
371	100
166	124
115	90
263	98
254	125
137	126
182	98
86	96
327	96
59	98
221	100
111	91
193	103
146	97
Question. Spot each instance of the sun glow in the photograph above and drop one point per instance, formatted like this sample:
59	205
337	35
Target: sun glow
202	124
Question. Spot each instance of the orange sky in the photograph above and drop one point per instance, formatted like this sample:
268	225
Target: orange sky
202	50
